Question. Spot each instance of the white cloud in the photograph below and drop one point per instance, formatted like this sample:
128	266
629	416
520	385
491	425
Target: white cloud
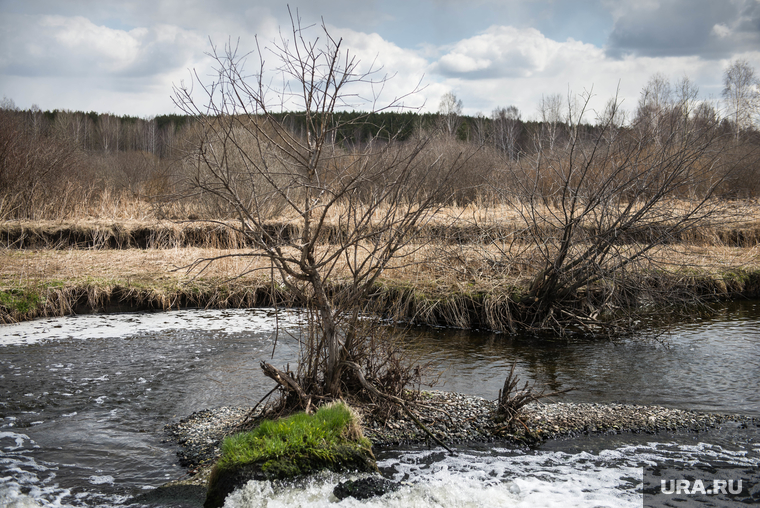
68	46
721	30
457	63
125	56
403	68
510	66
111	50
69	62
505	51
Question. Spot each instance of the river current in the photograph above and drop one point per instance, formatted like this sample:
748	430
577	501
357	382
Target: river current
85	399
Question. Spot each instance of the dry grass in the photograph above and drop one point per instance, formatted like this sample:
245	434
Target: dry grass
493	262
440	278
423	287
713	260
484	214
131	222
106	206
420	265
128	265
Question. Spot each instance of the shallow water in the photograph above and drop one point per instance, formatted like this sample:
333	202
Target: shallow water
85	400
711	364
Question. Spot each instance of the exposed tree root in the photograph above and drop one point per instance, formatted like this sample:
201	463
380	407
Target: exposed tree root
290	385
374	391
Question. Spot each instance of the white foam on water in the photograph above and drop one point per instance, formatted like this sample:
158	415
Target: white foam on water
544	478
19	440
27	475
99	480
444	491
33	483
11	498
500	478
552	479
92	326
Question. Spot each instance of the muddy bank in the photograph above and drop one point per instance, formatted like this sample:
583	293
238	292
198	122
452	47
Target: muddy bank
440	306
164	235
40	235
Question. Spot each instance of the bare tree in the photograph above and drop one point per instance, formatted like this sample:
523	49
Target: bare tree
482	132
595	212
450	110
741	90
347	212
506	129
654	106
108	130
612	119
550	108
685	103
704	114
8	104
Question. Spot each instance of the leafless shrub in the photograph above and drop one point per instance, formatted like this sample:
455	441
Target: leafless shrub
38	177
513	399
595	209
373	195
140	174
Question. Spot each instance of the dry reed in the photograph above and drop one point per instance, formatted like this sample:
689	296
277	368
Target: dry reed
465	269
125	223
430	284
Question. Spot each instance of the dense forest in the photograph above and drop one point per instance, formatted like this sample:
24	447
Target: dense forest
56	164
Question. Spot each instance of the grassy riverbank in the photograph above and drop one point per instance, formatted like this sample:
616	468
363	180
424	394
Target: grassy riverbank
455	277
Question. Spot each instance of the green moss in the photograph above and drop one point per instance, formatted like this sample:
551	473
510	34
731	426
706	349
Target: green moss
299	445
278	443
21	301
740	276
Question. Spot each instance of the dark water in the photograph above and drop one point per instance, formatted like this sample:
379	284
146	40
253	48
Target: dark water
711	364
84	400
84	404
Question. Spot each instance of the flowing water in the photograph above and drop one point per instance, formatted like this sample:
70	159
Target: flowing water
84	402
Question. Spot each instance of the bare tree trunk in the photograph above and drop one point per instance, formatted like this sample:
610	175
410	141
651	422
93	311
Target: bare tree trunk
605	204
248	161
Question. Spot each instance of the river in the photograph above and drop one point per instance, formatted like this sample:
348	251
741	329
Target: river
85	400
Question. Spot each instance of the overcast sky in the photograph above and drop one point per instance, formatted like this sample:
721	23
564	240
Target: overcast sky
124	56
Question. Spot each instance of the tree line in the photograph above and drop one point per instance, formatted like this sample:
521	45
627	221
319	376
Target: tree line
85	153
504	129
97	132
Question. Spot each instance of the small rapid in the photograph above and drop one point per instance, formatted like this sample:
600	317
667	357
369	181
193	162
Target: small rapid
85	398
585	475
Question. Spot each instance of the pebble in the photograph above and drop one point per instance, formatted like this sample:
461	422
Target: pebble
456	418
200	435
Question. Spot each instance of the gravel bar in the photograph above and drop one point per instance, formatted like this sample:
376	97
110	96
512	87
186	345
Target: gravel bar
457	418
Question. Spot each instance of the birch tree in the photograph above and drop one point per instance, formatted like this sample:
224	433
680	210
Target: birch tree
741	91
